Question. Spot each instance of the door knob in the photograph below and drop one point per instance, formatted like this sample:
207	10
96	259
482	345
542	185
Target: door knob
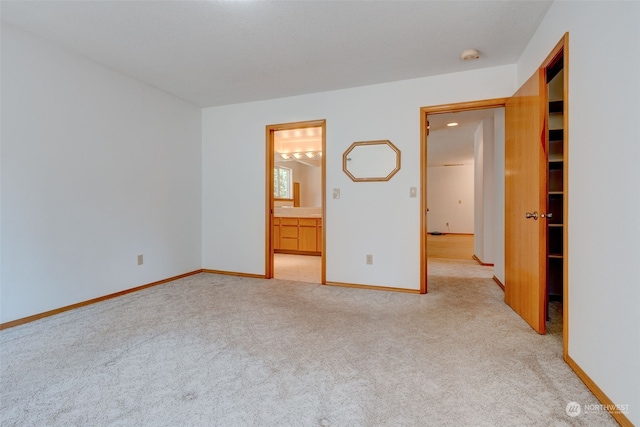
533	215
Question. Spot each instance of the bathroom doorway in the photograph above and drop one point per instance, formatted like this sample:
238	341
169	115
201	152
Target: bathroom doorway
295	194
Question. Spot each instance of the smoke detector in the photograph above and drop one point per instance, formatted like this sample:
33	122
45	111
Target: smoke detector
470	55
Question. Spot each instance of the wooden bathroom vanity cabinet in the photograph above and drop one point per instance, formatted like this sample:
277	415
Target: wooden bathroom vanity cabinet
297	235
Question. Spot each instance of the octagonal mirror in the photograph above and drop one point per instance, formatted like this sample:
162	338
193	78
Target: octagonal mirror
371	161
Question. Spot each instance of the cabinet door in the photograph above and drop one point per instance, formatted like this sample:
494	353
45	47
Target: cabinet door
276	233
307	236
289	228
289	234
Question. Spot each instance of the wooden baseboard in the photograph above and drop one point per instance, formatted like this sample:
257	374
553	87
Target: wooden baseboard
372	287
233	273
35	317
480	262
495	279
599	394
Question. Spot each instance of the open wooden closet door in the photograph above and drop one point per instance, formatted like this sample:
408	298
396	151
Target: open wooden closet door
525	202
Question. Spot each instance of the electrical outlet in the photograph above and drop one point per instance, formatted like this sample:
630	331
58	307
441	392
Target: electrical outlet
447	224
336	193
369	259
140	260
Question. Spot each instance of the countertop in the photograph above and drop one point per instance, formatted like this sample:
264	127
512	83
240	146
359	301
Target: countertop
297	212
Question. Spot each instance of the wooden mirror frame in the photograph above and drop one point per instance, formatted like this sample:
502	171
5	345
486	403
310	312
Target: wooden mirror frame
381	177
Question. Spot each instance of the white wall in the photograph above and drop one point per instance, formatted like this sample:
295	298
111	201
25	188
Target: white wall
450	199
310	179
489	192
478	190
311	194
604	178
484	191
96	169
1	173
498	194
375	218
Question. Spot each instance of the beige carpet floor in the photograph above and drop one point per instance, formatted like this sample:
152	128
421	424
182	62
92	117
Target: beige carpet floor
214	350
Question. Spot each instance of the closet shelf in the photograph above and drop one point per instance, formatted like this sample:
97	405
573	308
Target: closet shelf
556	134
556	106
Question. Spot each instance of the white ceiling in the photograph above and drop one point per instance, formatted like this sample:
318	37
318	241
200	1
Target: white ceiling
222	52
454	145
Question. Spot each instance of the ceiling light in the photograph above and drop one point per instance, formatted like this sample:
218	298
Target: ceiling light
470	54
452	124
301	155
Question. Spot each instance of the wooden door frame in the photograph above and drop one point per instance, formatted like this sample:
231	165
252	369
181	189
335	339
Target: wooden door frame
562	48
424	112
270	131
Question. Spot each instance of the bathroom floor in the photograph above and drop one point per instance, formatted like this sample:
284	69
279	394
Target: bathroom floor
302	268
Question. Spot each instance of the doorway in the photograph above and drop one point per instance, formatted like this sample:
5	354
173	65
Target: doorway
470	114
460	184
536	188
295	194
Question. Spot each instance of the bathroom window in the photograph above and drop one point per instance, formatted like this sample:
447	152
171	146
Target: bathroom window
282	182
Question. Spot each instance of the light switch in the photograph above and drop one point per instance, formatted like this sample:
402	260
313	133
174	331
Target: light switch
413	192
336	193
